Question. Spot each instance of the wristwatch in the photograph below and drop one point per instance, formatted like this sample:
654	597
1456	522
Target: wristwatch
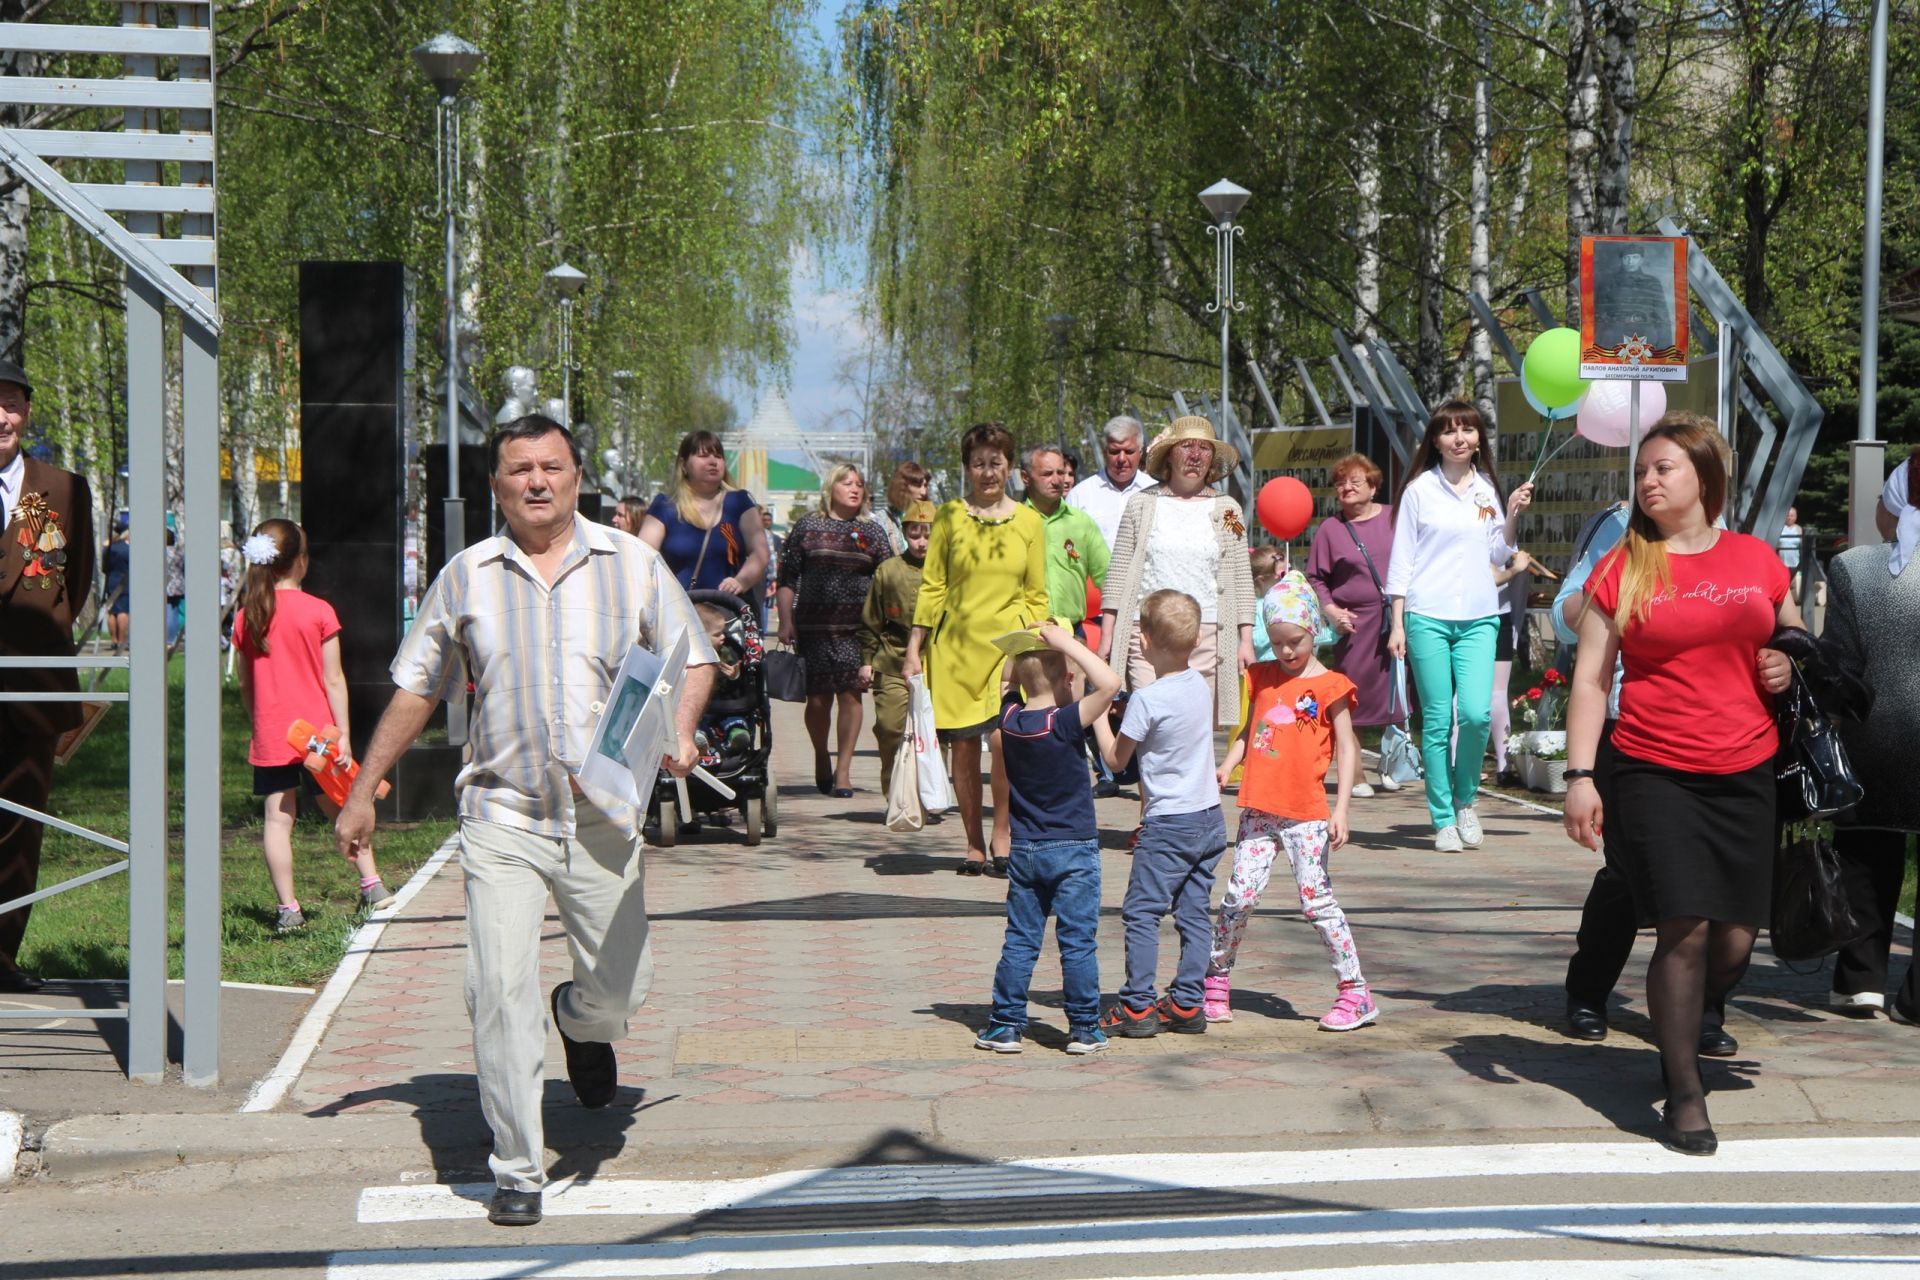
1574	775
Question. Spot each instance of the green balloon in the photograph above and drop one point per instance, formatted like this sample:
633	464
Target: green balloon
1551	368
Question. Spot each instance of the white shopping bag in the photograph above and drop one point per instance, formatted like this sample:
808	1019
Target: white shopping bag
903	790
936	793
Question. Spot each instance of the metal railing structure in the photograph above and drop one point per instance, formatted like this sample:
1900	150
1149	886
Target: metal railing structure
176	270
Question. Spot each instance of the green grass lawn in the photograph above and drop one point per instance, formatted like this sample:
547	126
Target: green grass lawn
83	933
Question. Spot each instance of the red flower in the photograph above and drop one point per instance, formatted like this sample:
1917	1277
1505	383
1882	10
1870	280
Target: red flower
1554	676
1533	694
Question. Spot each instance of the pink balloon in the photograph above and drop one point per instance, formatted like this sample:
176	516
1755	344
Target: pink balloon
1604	413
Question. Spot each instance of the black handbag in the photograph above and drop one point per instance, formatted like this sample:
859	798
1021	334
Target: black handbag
1812	775
786	674
1811	917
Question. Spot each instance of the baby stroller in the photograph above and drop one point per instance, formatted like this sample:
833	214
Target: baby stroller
735	734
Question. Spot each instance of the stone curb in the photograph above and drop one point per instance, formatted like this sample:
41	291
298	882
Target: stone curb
13	1131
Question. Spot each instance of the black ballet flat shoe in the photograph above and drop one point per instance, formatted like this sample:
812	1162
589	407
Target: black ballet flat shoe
1717	1042
1584	1022
997	868
843	793
970	867
1688	1142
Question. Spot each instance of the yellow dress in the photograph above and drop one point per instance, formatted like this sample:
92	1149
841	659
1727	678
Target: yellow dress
983	578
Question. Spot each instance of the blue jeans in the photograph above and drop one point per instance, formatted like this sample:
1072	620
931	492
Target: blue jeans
1172	870
1058	878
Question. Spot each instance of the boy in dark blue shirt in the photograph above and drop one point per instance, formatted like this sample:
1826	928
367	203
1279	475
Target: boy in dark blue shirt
1054	867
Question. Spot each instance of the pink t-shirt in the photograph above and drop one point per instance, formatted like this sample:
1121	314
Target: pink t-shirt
289	680
1692	698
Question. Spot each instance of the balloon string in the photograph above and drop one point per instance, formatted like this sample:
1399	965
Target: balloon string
1552	454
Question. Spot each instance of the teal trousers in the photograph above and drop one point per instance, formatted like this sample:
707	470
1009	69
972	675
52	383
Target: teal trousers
1453	671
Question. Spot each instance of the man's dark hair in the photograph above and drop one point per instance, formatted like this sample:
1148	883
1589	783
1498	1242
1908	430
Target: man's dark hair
532	426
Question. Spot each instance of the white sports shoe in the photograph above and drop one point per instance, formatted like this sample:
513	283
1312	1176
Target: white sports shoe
1447	840
1861	1004
1388	784
1362	791
1470	833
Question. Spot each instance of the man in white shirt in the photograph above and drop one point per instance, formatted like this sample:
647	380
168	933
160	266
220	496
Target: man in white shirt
538	619
1103	495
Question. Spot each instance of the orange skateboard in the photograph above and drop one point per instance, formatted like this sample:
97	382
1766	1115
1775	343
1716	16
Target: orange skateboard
334	775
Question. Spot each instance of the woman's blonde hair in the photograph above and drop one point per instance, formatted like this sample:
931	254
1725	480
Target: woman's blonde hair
1645	573
696	442
834	477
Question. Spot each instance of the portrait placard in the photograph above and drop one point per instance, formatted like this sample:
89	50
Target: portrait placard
1633	307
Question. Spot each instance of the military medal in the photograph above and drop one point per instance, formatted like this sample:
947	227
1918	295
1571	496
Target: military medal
42	539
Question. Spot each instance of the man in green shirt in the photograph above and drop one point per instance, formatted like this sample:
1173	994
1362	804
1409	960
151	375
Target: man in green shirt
1076	553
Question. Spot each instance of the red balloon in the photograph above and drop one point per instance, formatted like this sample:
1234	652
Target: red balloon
1285	507
1093	599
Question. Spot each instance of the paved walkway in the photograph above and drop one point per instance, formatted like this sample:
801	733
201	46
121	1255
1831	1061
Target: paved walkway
829	982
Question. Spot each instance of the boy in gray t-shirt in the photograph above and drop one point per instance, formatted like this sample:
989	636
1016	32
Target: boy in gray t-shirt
1170	724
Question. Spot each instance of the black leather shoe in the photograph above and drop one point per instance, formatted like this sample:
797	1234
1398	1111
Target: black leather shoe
1584	1022
1688	1142
18	982
1105	790
1716	1042
591	1067
510	1208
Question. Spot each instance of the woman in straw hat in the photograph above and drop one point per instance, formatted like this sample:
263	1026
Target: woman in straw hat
1182	535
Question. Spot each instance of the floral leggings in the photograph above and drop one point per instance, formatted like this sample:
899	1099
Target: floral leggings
1262	836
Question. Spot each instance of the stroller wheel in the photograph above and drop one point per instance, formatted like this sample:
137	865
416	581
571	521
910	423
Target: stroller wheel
669	824
770	824
756	811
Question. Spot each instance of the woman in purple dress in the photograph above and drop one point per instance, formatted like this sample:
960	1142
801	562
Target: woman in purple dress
1353	592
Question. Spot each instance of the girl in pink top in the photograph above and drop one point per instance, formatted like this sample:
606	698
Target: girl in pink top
289	645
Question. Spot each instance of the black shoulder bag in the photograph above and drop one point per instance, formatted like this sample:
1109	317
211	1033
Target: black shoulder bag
1811	917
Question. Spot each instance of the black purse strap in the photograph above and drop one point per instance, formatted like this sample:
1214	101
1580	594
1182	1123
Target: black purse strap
1367	555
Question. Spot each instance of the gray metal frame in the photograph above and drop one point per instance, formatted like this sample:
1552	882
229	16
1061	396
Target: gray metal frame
178	273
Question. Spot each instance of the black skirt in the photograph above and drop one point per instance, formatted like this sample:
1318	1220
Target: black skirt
1694	844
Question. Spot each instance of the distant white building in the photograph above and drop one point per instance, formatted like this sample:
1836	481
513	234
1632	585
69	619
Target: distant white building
781	464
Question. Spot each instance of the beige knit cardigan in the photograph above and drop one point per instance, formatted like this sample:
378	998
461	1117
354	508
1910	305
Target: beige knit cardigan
1232	572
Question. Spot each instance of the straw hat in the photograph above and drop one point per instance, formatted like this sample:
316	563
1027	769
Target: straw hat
1191	427
918	512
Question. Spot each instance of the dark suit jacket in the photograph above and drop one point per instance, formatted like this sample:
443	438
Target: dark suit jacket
39	622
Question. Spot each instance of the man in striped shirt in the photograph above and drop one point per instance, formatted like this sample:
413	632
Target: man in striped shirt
539	619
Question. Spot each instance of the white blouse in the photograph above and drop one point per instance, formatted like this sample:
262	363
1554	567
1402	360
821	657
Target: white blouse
1182	553
1445	546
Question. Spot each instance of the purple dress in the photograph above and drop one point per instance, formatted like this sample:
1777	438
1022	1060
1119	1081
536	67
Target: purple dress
1339	576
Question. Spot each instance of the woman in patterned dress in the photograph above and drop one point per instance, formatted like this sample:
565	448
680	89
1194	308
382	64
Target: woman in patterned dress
826	566
985	575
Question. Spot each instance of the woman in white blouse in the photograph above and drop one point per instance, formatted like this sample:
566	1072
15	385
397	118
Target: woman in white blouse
1449	533
1182	535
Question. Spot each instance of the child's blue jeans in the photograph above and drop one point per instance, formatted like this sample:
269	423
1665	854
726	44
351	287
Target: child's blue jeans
1172	870
1058	878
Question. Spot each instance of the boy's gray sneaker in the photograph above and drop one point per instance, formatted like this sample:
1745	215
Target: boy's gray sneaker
288	919
376	897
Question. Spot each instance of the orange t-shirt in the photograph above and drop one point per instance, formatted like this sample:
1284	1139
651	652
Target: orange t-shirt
1290	741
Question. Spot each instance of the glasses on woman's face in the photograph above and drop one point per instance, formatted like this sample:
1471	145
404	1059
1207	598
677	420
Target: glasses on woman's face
1351	484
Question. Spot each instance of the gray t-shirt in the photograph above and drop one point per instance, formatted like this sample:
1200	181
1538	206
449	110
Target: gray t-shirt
1172	720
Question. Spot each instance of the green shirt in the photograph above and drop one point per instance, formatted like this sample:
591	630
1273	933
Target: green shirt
1076	555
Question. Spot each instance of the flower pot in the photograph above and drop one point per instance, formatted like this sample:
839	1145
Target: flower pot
1551	776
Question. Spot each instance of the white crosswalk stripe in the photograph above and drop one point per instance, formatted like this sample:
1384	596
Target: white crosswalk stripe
1136	1174
1081	1212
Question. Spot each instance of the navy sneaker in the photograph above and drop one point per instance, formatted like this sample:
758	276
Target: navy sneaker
1085	1040
1000	1038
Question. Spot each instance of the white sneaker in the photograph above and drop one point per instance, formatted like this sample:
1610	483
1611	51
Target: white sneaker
1362	791
1388	784
1447	840
1470	833
1861	1004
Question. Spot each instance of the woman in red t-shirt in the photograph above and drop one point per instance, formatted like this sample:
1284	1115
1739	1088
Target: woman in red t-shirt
289	645
1688	609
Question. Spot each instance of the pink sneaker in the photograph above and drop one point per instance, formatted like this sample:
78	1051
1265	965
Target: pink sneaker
1213	998
1354	1009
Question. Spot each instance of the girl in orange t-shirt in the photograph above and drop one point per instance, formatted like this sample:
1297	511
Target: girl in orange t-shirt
1300	721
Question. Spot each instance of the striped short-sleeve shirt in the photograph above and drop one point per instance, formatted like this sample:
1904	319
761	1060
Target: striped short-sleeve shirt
541	660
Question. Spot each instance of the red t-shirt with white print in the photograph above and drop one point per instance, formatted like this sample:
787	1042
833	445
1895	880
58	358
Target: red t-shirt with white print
1692	697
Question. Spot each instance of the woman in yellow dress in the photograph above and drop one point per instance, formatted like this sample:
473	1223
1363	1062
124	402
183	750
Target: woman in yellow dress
985	575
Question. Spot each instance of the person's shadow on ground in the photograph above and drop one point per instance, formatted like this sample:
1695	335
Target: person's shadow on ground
447	1109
